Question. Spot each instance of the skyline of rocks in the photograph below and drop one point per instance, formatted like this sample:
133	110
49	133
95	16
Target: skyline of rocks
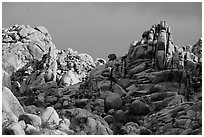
156	88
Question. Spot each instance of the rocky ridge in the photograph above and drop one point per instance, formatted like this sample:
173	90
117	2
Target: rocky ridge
154	89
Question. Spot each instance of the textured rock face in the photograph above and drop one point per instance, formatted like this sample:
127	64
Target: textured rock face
27	49
139	108
11	109
21	44
78	65
156	88
113	101
6	81
10	104
50	116
83	121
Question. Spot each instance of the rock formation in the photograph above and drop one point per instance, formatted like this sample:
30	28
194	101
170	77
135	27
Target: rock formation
155	89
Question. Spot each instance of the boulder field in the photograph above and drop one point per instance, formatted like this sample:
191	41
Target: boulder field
155	89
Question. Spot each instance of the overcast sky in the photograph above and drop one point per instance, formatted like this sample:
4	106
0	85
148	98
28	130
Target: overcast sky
99	29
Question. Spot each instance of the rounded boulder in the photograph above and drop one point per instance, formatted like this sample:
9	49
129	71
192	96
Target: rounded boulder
139	108
113	101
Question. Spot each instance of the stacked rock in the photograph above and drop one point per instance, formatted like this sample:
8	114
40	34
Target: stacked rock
153	89
21	44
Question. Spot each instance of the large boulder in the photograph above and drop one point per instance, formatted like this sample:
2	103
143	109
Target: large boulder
88	59
113	101
69	78
50	116
139	108
6	81
10	103
118	89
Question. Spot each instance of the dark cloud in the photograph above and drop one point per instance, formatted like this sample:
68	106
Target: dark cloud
102	28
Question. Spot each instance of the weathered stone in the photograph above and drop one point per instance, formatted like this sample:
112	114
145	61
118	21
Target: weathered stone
145	131
178	99
48	76
6	81
99	61
32	109
158	91
31	130
195	126
157	96
69	78
124	83
137	69
197	132
88	59
41	29
176	109
111	111
181	122
65	103
191	113
51	99
104	94
197	107
64	124
23	32
172	75
50	116
184	117
131	88
139	108
22	123
114	101
186	132
89	123
45	87
118	89
35	51
41	97
106	73
8	118
58	105
10	103
140	52
131	128
181	113
104	85
47	131
120	115
109	118
14	129
112	57
31	119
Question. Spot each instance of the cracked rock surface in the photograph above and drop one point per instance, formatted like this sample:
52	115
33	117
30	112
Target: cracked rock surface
148	91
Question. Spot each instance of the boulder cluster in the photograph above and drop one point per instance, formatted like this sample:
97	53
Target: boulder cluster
155	89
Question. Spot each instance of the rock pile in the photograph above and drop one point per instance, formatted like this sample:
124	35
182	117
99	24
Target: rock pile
154	89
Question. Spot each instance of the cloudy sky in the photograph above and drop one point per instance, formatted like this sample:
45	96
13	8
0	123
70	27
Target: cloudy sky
103	28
